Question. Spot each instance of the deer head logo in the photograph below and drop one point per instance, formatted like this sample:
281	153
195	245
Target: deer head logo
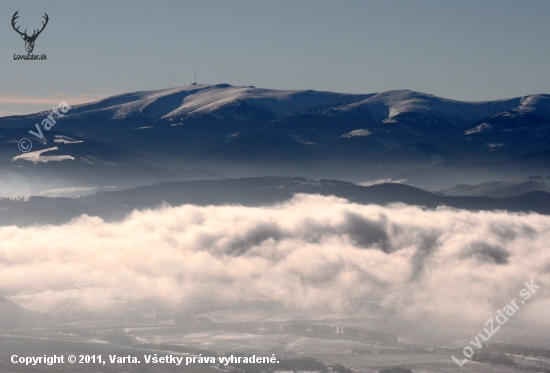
29	40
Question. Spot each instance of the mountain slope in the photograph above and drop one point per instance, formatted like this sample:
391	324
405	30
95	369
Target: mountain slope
63	161
13	316
445	175
221	100
266	148
225	101
500	189
315	134
116	205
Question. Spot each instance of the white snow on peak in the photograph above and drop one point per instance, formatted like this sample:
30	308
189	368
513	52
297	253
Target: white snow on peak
36	156
386	105
208	99
538	104
226	101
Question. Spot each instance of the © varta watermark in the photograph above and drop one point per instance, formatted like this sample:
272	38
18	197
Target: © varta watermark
25	144
501	318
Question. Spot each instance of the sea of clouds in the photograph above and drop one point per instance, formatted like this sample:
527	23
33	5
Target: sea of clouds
309	253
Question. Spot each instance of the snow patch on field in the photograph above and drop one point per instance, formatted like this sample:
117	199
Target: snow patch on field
36	156
65	140
64	192
357	133
382	181
483	127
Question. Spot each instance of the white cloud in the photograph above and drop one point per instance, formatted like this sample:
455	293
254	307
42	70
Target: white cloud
311	253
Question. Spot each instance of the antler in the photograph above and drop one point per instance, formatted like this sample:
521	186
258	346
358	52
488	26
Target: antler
13	19
36	32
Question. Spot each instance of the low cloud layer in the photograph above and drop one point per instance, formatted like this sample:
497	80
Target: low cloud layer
311	253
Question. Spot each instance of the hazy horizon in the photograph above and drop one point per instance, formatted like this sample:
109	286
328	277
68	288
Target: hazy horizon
469	51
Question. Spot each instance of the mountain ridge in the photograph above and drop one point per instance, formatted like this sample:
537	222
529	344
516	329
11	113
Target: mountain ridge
257	191
248	131
188	101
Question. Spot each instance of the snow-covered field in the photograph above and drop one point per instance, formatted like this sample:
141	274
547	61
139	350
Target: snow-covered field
329	351
37	156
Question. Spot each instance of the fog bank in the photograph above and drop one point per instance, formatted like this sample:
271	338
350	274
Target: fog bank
310	253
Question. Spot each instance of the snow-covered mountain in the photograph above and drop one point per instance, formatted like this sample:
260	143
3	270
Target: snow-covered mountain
246	103
386	106
309	133
219	100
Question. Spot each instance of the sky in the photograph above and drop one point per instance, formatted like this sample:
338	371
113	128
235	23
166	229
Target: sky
464	50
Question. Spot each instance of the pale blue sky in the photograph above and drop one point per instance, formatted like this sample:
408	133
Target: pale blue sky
460	49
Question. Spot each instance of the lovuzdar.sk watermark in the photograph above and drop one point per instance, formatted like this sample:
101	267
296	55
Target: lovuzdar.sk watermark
29	40
501	318
30	57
